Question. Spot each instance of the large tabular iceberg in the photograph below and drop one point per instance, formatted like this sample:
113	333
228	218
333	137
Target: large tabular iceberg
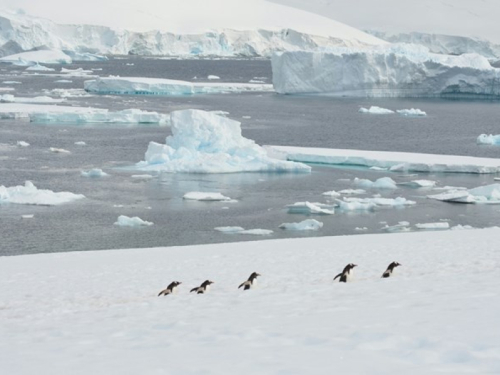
202	142
33	57
159	86
394	71
30	194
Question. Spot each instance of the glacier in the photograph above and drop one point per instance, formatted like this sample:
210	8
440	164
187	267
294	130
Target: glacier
485	139
159	86
394	161
248	32
385	71
202	142
30	194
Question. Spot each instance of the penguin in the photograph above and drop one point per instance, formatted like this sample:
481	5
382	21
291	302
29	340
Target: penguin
170	289
346	274
203	288
390	269
250	282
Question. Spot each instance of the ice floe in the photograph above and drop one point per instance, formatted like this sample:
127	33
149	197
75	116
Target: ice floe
489	194
432	226
381	183
305	225
383	202
56	150
412	112
213	77
80	143
202	142
394	161
332	193
374	110
229	229
95	173
30	194
39	68
159	86
384	71
309	208
419	183
55	113
485	139
352	191
240	230
34	57
22	144
205	196
402	226
8	98
125	221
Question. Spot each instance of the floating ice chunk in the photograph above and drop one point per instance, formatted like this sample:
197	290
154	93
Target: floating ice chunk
7	98
432	226
203	196
309	208
96	172
29	216
378	169
22	144
80	72
256	232
85	56
419	183
352	191
361	228
331	193
159	86
489	194
68	93
395	70
396	161
63	81
381	183
355	205
202	142
376	110
12	83
40	68
402	226
309	224
30	194
59	150
80	143
125	221
384	202
34	57
213	77
485	139
229	229
142	176
412	112
461	227
220	113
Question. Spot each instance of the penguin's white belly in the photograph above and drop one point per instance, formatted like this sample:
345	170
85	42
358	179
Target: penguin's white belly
349	276
207	288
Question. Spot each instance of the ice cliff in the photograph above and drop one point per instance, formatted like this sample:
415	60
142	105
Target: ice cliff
394	71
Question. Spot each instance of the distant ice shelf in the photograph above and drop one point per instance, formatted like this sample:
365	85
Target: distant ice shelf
158	86
385	71
394	161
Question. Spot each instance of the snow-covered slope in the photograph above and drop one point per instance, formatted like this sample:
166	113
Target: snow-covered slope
150	27
98	312
400	70
469	18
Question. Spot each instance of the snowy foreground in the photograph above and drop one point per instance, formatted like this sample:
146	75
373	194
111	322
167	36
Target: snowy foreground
393	161
98	312
393	71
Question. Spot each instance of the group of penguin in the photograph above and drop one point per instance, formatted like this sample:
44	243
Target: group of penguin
343	277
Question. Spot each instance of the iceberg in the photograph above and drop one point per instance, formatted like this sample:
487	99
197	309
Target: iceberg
30	194
80	143
160	86
125	221
376	110
22	144
211	76
256	232
202	142
309	224
331	193
39	68
419	183
96	172
229	229
402	226
485	139
383	202
59	150
394	161
355	205
309	208
85	56
432	226
202	196
352	191
412	112
489	194
392	71
33	58
381	183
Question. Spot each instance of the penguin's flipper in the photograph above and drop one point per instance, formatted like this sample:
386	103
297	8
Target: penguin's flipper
164	291
241	285
193	290
336	277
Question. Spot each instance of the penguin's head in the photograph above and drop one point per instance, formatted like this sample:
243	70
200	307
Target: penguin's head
177	283
395	264
206	283
352	265
254	275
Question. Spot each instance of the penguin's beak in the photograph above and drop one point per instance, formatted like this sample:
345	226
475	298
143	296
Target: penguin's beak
355	265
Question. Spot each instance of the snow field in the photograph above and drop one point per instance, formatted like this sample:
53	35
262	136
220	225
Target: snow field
97	312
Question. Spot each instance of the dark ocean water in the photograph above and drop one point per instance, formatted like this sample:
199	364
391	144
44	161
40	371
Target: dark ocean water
451	127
